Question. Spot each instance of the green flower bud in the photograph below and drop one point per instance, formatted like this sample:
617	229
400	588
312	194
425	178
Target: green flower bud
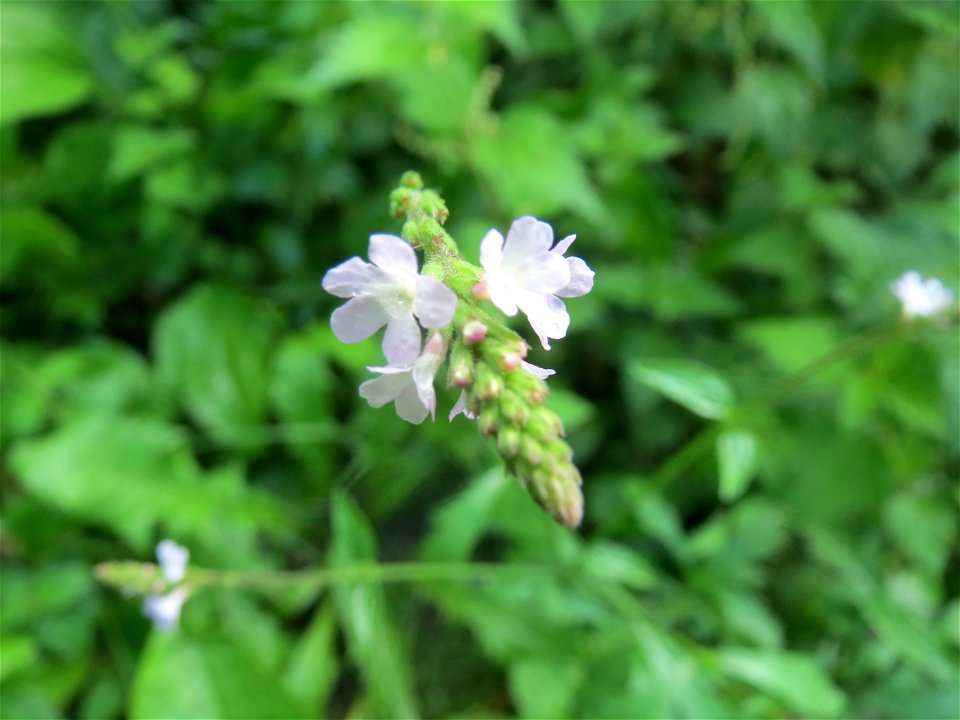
508	442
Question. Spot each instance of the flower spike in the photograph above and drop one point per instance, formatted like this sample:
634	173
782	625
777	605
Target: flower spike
500	391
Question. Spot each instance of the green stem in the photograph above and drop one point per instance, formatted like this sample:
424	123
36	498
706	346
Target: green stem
373	573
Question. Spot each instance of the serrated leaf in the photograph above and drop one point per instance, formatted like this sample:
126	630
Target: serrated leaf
697	387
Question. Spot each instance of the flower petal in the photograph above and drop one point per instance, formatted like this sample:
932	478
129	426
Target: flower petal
409	407
491	250
401	341
435	303
527	237
386	388
393	254
360	318
460	406
542	373
424	372
547	315
173	559
581	279
349	278
563	245
544	273
502	294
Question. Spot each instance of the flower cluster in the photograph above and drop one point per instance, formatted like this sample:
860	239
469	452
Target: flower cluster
163	604
919	297
440	311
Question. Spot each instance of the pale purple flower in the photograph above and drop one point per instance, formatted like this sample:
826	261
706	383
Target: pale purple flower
164	610
919	297
173	560
388	292
523	272
410	387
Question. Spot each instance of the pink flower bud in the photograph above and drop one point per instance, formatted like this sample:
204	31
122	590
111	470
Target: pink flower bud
474	332
510	360
461	377
481	291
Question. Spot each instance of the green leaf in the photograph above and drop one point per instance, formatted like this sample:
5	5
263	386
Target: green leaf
213	348
34	238
737	460
796	680
180	676
792	26
312	671
544	686
44	70
457	526
791	343
532	166
372	636
19	651
138	147
697	387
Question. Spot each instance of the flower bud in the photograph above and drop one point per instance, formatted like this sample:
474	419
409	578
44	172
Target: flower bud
514	408
509	361
412	180
531	450
487	421
508	442
481	290
460	376
474	332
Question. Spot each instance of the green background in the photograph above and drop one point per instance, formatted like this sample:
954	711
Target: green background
770	455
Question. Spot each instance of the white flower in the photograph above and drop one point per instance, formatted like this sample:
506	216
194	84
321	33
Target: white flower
173	560
524	273
460	406
164	610
409	387
388	292
920	298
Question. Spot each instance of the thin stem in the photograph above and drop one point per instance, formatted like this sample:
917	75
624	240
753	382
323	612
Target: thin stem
373	573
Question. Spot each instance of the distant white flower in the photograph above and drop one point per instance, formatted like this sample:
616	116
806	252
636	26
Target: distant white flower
920	298
524	273
410	388
164	610
388	292
173	560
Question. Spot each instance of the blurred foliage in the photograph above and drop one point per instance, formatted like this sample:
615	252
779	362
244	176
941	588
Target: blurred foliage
764	538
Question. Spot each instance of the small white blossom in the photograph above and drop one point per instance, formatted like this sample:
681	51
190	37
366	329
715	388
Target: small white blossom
173	560
410	388
920	298
524	273
164	610
388	292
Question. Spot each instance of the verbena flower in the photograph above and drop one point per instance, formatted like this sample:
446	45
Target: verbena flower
523	272
388	292
173	560
410	388
920	298
164	610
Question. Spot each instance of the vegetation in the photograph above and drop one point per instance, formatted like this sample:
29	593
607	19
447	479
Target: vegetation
769	451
